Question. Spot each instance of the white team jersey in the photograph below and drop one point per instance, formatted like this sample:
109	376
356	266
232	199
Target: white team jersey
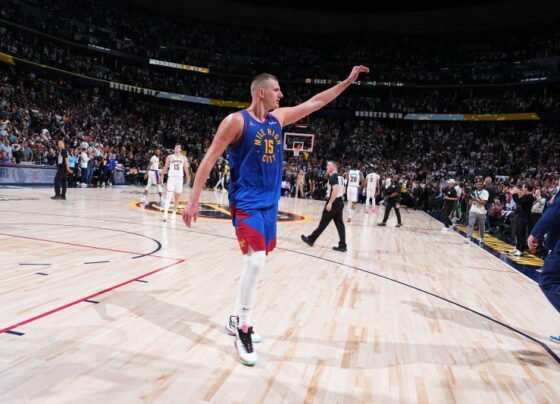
154	163
176	166
340	180
354	178
372	180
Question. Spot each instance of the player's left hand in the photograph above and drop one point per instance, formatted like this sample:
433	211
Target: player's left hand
190	213
356	70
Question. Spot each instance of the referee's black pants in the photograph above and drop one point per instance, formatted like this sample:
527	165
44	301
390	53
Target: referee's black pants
334	214
60	182
391	205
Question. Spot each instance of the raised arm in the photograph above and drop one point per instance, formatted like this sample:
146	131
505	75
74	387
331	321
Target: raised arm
228	132
288	115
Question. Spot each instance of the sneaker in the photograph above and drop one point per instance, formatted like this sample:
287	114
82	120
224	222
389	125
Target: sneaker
307	240
444	229
398	225
341	249
55	197
349	220
63	197
518	253
382	224
244	346
231	327
555	338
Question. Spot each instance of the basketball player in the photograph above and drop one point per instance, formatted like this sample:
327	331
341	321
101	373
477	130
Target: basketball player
178	166
255	145
333	209
354	178
221	178
153	176
372	186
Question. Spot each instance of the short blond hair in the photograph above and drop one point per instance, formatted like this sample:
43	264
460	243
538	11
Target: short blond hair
260	80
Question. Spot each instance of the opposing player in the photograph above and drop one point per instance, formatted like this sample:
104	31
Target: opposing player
153	176
372	187
177	169
255	148
354	179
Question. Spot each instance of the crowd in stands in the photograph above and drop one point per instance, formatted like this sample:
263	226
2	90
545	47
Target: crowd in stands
509	56
40	50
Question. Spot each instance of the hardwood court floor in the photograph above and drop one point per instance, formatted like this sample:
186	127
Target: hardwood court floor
129	309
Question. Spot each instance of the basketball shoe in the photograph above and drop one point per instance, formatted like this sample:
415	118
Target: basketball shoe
244	345
231	327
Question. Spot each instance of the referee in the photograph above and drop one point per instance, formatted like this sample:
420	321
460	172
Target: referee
333	209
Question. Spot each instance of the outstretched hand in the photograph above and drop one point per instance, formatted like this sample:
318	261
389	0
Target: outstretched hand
190	213
356	70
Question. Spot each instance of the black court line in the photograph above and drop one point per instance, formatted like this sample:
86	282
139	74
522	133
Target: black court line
97	262
30	263
90	227
19	334
141	280
91	301
41	273
516	331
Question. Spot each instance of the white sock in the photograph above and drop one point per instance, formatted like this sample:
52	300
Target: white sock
167	202
247	292
351	213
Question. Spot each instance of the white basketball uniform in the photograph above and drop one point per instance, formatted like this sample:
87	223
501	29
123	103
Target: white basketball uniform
353	185
372	179
176	173
154	177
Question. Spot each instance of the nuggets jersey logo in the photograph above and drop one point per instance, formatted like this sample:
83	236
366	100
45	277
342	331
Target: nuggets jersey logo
256	164
271	140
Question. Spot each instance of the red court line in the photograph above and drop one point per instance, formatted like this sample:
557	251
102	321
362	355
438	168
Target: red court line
87	246
29	320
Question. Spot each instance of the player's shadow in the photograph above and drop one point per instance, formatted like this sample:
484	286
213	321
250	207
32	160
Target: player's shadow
199	328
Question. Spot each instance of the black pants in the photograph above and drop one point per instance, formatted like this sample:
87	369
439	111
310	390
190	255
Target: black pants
521	225
388	206
60	182
335	214
445	213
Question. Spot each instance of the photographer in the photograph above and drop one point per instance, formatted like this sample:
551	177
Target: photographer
477	213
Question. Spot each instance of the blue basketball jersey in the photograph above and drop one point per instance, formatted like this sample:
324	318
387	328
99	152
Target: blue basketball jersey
256	164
